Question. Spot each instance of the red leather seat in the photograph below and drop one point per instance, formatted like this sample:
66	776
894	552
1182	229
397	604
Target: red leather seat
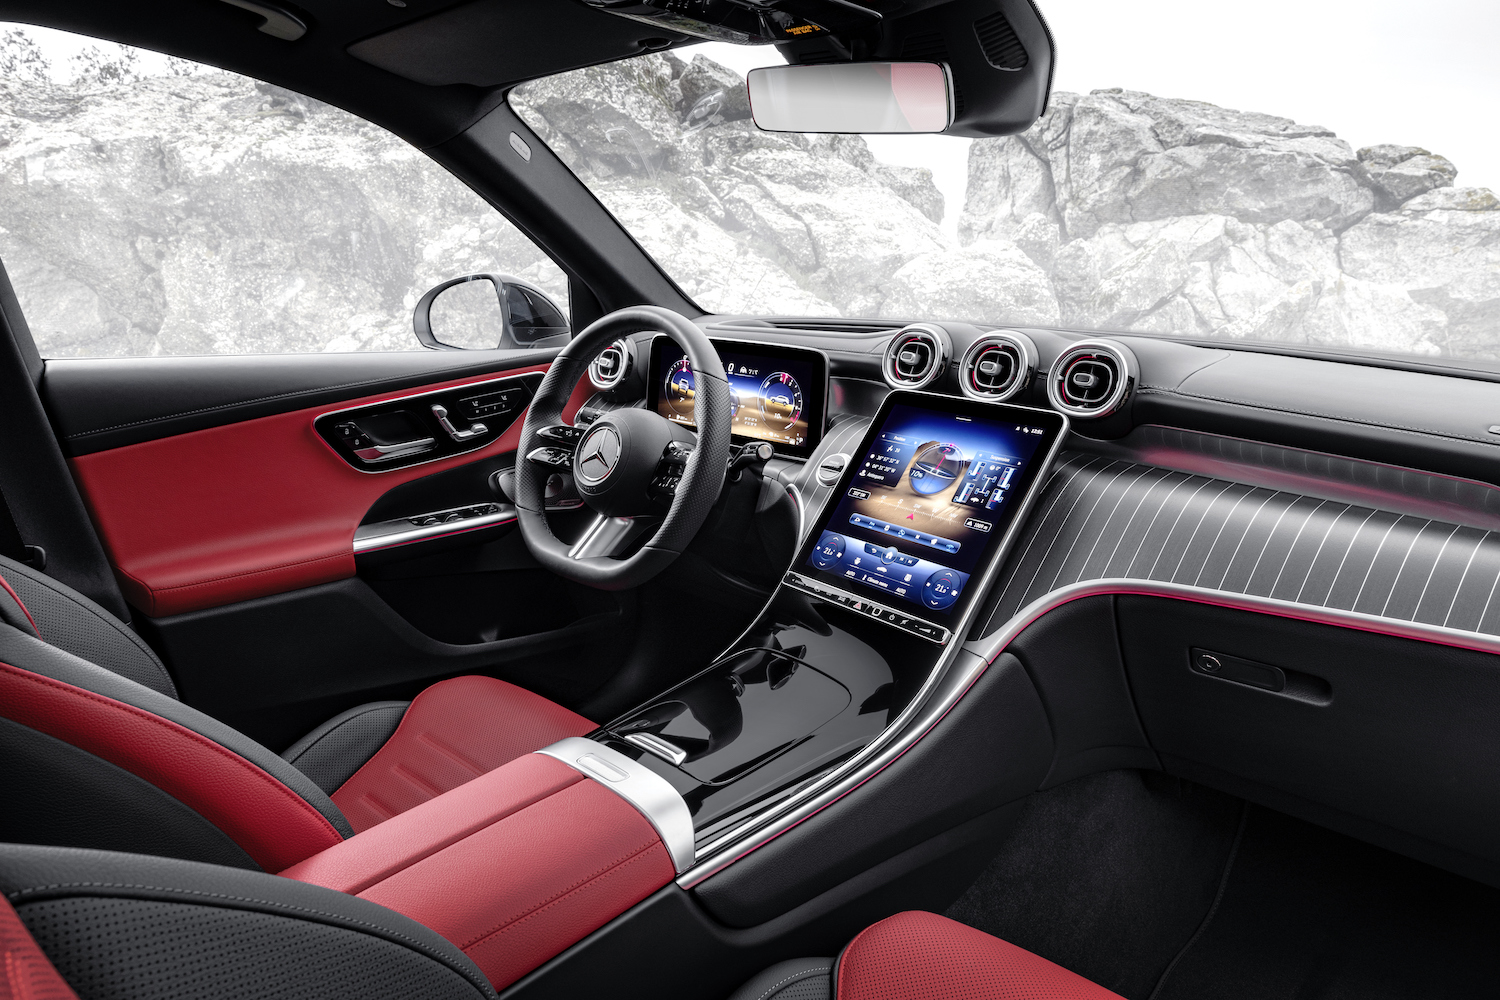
922	956
94	740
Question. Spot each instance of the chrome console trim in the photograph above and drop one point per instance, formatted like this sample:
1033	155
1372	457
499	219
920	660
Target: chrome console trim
821	790
937	699
647	791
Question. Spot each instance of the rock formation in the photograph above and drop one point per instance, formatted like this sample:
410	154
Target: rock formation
208	213
1181	217
211	214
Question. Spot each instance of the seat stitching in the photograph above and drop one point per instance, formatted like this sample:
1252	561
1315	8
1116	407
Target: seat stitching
451	753
558	897
353	718
789	979
21	894
254	770
583	882
241	576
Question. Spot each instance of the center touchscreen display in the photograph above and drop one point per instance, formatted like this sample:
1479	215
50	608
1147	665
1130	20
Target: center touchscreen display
929	499
776	394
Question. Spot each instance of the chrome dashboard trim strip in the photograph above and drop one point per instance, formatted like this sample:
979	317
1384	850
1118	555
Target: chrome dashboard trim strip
648	792
937	700
781	816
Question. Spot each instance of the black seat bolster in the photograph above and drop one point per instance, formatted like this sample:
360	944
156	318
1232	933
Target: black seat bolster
197	930
21	650
66	619
798	979
330	754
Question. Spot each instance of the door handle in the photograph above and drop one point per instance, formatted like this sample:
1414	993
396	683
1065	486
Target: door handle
475	429
387	452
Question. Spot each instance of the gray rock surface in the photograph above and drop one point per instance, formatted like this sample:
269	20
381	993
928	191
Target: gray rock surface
1180	217
746	221
211	214
208	213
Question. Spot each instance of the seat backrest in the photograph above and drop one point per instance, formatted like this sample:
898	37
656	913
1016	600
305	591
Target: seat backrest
93	923
91	758
62	617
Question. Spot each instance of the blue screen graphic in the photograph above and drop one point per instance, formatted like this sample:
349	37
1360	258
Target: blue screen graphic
925	504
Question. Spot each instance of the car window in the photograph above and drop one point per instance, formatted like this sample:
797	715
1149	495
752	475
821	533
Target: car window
1120	210
152	206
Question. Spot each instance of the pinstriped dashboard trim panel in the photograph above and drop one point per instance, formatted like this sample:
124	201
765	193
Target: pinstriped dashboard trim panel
1102	518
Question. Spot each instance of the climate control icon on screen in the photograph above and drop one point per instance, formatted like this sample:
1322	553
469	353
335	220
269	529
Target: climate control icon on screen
829	551
942	589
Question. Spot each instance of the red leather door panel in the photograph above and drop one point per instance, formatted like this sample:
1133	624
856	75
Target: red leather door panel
244	510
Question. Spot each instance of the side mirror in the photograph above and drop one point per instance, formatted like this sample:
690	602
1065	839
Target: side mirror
485	312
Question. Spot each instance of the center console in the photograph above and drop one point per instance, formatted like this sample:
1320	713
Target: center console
863	627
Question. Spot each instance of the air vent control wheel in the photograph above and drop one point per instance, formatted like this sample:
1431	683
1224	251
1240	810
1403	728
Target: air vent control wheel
997	366
1092	379
916	356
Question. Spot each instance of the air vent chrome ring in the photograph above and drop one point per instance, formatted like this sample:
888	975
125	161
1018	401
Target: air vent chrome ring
997	366
1092	379
611	366
915	357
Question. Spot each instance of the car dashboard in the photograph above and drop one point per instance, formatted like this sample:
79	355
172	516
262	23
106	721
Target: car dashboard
1277	572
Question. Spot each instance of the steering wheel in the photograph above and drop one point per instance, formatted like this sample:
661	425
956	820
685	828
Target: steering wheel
629	465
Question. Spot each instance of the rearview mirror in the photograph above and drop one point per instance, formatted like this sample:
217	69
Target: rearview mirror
869	97
483	312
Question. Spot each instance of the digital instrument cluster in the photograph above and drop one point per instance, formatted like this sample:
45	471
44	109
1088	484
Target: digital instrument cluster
928	501
776	394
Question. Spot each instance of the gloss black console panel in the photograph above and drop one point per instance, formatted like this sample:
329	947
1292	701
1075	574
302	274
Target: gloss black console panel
828	668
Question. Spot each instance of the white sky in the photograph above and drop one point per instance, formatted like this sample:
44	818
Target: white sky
1378	71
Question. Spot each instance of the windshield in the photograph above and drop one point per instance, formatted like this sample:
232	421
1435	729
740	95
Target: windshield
1122	210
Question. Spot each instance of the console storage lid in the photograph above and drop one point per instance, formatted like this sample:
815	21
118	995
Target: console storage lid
512	867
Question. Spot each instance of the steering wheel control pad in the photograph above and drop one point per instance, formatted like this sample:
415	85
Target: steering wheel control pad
616	460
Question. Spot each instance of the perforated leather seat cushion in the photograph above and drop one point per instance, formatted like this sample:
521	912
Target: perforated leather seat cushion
453	732
922	956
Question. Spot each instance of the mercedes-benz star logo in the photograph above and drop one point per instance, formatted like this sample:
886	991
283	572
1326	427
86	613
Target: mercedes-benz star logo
598	456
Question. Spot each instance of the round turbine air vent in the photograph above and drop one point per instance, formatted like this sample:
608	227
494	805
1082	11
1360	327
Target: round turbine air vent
1092	379
997	366
610	366
915	357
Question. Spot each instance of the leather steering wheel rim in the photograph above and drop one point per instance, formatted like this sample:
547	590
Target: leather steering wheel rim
702	479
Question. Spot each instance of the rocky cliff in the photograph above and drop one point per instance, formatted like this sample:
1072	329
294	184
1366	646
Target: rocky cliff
211	214
1180	217
208	213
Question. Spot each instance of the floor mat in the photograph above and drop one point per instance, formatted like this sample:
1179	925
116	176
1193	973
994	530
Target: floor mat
1107	875
1308	914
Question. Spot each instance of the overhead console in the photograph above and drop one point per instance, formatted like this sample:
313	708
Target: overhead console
863	625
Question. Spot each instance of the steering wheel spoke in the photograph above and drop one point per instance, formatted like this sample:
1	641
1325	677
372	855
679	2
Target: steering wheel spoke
611	537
